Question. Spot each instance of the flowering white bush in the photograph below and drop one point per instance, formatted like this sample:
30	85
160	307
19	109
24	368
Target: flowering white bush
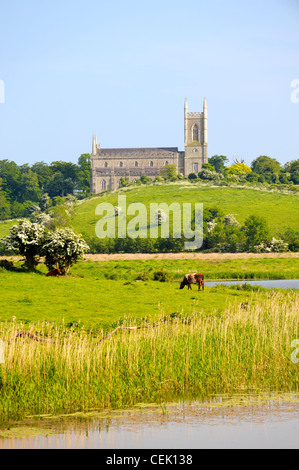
210	175
211	225
41	218
62	248
27	238
277	245
160	216
117	210
229	219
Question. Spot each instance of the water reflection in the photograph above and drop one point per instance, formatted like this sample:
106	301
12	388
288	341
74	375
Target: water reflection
240	421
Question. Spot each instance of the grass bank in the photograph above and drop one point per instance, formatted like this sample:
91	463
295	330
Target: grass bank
219	268
97	295
247	346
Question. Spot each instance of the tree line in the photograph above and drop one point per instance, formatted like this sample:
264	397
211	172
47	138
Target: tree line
263	171
24	185
221	233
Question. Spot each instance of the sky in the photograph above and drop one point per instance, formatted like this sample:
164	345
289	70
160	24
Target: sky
124	68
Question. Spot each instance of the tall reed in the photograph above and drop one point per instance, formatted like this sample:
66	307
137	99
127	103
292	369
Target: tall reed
247	347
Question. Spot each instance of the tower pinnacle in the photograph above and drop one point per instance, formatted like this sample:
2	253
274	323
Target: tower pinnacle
94	144
186	105
205	108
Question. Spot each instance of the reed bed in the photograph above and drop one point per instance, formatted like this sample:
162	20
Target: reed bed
247	347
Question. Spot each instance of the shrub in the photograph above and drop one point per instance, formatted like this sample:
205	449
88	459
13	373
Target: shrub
264	164
162	276
291	237
277	245
256	231
62	248
142	276
284	178
229	219
252	177
160	217
238	169
158	179
117	211
208	166
145	179
261	179
124	183
27	238
218	162
169	172
210	175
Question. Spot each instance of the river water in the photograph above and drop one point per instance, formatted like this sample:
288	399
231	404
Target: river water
230	422
276	284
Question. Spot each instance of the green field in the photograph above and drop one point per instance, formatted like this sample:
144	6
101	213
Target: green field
98	294
97	303
280	210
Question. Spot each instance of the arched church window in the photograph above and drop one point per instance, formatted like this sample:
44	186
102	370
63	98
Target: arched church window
166	163
195	133
104	184
106	164
151	164
136	164
121	164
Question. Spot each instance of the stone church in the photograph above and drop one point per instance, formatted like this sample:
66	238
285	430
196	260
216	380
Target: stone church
109	165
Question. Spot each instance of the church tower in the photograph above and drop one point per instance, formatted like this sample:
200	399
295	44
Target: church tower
196	139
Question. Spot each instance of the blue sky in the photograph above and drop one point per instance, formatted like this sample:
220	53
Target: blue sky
123	69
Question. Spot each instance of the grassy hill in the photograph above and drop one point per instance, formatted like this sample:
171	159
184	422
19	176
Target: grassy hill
279	209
